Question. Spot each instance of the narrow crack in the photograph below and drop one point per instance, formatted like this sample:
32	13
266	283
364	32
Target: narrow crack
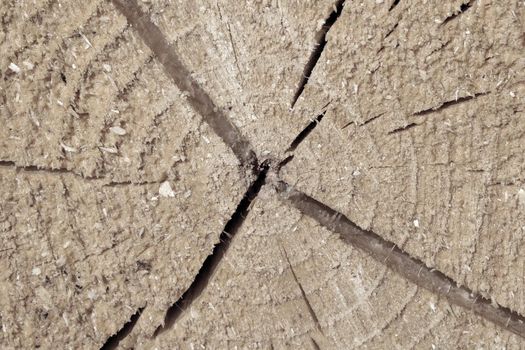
372	119
320	43
114	340
134	183
303	293
305	132
213	260
347	125
391	30
394	4
314	344
196	96
399	261
464	7
65	171
368	121
283	163
403	128
448	104
36	169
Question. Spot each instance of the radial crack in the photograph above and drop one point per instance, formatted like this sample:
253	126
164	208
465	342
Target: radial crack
213	260
305	132
133	183
303	294
464	7
114	340
320	43
198	99
394	4
399	261
391	30
448	104
403	128
36	168
314	344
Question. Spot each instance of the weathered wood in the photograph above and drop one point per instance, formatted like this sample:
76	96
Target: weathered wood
143	143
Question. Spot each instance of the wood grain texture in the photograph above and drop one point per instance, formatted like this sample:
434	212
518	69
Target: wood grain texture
143	143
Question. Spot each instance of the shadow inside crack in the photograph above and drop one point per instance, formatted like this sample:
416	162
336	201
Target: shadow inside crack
213	260
320	44
114	340
399	261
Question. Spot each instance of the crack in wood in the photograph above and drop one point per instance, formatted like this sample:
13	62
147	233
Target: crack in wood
368	121
391	30
400	262
58	171
54	171
134	183
196	96
212	261
403	128
311	311
320	43
448	104
383	251
113	341
464	7
304	133
394	4
314	344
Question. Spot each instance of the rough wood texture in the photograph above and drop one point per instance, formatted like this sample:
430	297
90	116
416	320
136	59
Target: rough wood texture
289	283
262	174
430	138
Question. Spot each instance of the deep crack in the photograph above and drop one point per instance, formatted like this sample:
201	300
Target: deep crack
320	43
448	104
114	340
196	96
464	7
403	128
305	132
213	260
399	261
394	4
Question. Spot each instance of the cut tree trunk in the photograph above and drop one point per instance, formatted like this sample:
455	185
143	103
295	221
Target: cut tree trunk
266	174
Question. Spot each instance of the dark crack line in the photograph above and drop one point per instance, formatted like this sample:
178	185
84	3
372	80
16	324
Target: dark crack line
305	132
403	128
132	183
114	340
283	163
196	96
67	172
303	293
368	121
347	125
391	30
38	169
448	104
464	7
320	43
211	263
394	4
397	260
314	344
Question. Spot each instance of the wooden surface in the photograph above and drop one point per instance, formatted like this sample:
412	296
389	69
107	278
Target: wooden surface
151	165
